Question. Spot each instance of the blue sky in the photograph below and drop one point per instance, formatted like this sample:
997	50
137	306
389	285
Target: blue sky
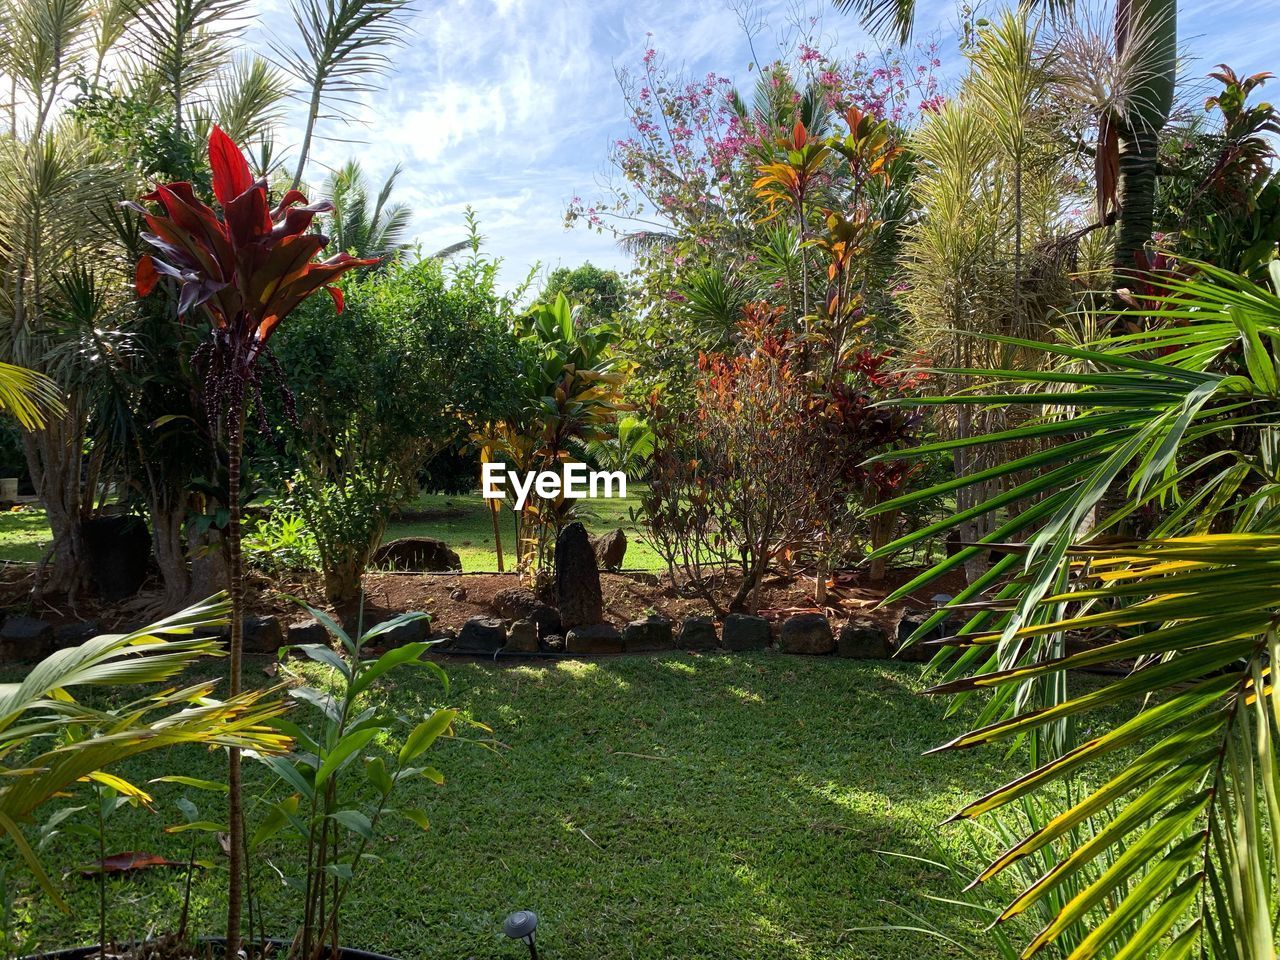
510	105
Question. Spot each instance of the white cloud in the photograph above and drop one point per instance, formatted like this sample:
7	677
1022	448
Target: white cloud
509	106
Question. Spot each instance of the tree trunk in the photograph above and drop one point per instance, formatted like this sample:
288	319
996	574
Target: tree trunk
53	458
342	580
967	497
168	538
235	797
1136	201
1147	38
882	528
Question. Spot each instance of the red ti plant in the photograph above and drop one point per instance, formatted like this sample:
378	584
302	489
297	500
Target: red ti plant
244	271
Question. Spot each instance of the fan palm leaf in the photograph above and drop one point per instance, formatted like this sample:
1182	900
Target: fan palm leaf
1173	851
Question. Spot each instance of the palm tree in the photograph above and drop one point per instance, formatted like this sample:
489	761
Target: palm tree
1145	38
376	229
342	50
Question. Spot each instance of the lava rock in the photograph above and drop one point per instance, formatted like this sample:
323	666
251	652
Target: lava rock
445	638
610	549
523	637
916	652
514	603
577	579
263	634
806	633
458	594
554	643
306	632
547	620
647	635
863	639
595	638
25	638
697	633
419	554
481	635
74	634
744	632
411	631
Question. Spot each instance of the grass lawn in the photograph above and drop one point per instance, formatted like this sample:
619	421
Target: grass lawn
677	806
23	535
462	522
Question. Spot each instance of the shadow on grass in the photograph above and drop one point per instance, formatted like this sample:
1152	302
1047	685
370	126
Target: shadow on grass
677	806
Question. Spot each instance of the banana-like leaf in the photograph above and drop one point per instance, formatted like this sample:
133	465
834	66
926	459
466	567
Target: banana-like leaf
83	741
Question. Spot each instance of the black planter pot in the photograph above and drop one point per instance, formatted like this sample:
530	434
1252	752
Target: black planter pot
118	551
89	953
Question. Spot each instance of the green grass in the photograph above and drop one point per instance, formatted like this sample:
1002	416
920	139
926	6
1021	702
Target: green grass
462	522
23	534
647	808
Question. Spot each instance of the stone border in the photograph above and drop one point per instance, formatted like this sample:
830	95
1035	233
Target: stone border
27	639
803	634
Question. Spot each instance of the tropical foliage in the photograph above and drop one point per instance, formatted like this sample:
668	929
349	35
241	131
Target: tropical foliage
1146	520
245	272
568	395
50	742
422	352
348	754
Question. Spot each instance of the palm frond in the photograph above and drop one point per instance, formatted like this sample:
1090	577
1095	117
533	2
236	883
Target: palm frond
84	740
1172	850
249	99
28	396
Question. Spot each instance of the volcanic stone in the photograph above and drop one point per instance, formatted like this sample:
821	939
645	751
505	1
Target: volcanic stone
697	633
863	639
744	632
647	635
523	637
411	631
263	634
596	638
610	548
916	652
807	633
421	554
305	632
577	579
482	635
25	638
74	634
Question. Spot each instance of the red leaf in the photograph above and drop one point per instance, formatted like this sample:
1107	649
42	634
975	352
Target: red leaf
127	862
145	277
231	175
338	300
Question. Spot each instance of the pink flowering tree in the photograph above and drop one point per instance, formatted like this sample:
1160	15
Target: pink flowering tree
684	202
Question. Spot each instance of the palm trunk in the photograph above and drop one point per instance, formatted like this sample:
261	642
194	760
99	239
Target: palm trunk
1136	200
235	811
168	538
1147	35
53	459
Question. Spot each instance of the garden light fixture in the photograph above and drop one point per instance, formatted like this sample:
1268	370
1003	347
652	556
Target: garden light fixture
521	926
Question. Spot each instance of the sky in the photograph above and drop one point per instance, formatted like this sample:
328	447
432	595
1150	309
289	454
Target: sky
510	106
